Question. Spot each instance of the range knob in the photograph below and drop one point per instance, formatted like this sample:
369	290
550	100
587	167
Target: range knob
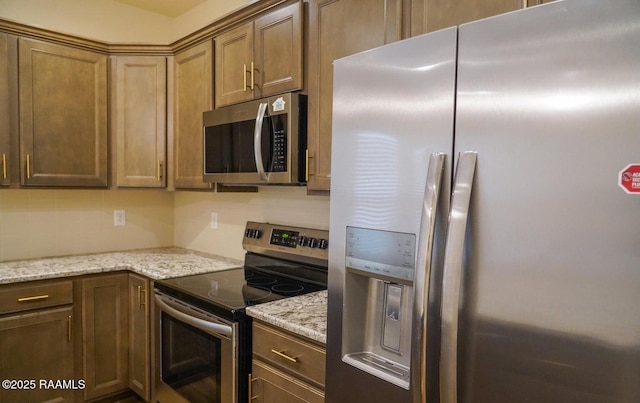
313	243
303	241
253	233
323	244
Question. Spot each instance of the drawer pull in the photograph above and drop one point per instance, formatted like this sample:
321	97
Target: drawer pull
283	355
34	298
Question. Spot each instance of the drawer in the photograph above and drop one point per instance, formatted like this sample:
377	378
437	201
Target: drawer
35	295
289	352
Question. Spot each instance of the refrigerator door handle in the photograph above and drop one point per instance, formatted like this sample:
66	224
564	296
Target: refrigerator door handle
257	141
425	252
452	274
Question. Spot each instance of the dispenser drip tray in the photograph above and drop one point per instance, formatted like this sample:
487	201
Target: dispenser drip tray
380	367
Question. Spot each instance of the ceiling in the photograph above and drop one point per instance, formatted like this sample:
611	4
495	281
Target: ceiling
170	8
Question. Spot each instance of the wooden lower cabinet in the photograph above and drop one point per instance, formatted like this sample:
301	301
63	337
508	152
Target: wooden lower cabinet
285	367
103	306
37	347
139	336
270	385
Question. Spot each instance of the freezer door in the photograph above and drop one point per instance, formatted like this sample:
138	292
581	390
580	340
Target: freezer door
392	110
549	98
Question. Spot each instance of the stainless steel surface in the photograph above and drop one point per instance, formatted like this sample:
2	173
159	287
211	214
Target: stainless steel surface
257	140
188	315
452	276
548	98
379	169
294	106
426	240
391	325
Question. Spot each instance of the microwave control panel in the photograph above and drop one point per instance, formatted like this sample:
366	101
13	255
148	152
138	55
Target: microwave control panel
279	154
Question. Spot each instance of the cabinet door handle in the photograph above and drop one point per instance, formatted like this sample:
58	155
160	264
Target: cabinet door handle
244	75
28	167
252	78
283	355
160	170
34	298
4	166
69	328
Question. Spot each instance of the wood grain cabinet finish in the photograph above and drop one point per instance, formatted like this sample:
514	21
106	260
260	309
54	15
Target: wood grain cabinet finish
104	310
260	58
139	337
37	345
192	92
37	339
5	127
339	28
285	367
63	115
140	120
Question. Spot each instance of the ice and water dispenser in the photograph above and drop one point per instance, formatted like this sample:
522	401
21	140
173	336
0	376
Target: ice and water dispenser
378	296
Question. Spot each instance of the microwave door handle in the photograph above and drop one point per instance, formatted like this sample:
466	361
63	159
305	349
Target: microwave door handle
257	142
452	274
198	323
432	192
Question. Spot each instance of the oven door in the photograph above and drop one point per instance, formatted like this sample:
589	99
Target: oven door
198	358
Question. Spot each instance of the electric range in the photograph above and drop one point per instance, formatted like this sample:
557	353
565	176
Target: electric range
203	325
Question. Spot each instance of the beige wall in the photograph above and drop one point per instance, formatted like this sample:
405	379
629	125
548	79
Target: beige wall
113	22
39	223
287	206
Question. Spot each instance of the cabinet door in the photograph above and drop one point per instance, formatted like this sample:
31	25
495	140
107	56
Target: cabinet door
269	385
63	115
278	51
105	334
139	346
432	15
5	128
234	54
339	28
37	346
192	91
140	120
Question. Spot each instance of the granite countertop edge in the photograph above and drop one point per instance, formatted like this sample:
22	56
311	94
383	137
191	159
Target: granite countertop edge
310	321
156	264
170	262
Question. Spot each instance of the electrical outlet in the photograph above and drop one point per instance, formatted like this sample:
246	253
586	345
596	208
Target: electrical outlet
119	218
214	220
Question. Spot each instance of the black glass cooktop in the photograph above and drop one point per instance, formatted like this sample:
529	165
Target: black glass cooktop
261	280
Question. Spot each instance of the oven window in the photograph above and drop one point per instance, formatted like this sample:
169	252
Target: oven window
190	361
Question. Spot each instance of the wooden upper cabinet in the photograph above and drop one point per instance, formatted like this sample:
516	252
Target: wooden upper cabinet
63	115
5	128
278	51
432	15
192	92
140	120
339	28
260	58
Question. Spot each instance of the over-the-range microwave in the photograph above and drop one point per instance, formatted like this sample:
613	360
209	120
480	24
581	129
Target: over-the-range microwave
260	142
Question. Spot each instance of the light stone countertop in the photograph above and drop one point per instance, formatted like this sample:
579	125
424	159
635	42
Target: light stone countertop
305	315
157	263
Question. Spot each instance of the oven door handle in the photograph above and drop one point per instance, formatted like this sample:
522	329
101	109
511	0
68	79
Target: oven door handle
198	323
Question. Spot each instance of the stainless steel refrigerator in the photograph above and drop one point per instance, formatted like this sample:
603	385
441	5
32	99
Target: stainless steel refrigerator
485	212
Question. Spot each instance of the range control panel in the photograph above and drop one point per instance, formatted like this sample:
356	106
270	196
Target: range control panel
264	237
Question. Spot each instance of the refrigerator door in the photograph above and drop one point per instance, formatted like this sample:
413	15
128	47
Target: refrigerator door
549	98
393	109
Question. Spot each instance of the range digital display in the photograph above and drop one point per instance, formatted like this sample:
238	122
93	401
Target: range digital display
286	238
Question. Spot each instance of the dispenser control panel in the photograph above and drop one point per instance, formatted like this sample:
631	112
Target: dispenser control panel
385	253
